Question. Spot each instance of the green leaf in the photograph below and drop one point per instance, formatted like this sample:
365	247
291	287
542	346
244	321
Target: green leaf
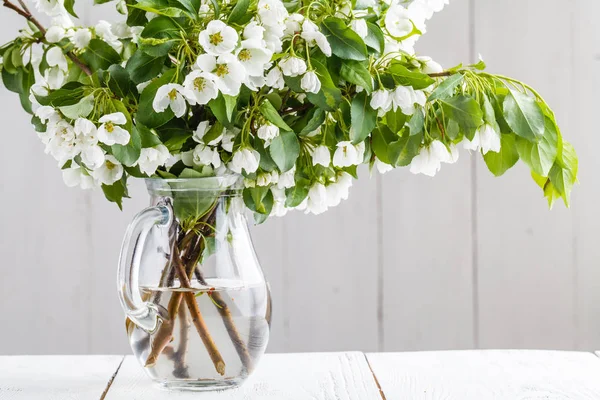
330	96
416	125
395	120
120	82
189	173
116	192
317	118
191	205
239	11
68	4
191	6
99	55
297	194
466	112
259	199
174	134
285	150
129	153
402	152
159	7
272	115
13	81
357	72
499	163
364	118
147	136
446	88
222	108
524	116
146	114
71	93
375	39
404	77
563	174
80	110
143	67
345	43
381	138
540	156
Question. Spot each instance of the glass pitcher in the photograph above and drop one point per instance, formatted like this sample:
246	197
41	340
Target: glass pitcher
197	302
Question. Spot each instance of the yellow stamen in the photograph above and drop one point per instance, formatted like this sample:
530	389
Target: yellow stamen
245	55
199	84
215	38
221	70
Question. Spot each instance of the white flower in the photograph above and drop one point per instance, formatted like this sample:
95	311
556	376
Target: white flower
104	31
229	139
279	209
397	21
56	58
80	38
229	73
47	114
171	96
205	155
55	34
321	156
275	78
202	130
62	145
254	58
428	161
151	158
287	179
347	155
255	33
245	159
381	100
201	87
339	190
486	139
359	26
268	132
272	12
255	83
77	176
293	24
110	133
317	199
264	179
141	86
382	167
292	66
54	77
310	33
110	172
310	82
405	98
218	38
50	7
92	156
430	66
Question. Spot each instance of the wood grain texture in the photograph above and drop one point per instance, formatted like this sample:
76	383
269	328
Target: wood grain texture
343	376
487	375
331	269
526	260
426	231
45	251
585	76
56	377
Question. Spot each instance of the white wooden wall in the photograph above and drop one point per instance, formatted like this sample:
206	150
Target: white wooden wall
408	263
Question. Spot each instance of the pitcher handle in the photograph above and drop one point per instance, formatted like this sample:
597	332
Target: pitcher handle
143	314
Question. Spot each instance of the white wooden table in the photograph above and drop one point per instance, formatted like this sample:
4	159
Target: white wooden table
453	375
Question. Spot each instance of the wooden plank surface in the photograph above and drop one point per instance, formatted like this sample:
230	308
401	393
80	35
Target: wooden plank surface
56	377
585	49
340	376
426	230
526	268
487	375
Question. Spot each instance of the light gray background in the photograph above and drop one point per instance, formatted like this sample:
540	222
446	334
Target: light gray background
408	263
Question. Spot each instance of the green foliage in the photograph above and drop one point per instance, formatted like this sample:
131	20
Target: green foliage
284	150
466	112
99	55
499	163
345	43
146	114
364	118
524	116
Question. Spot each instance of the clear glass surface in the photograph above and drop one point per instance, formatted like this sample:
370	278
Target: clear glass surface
197	302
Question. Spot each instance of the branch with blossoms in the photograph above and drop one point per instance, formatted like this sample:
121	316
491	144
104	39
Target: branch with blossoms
290	97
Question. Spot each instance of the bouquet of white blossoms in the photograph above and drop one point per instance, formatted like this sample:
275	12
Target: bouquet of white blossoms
292	96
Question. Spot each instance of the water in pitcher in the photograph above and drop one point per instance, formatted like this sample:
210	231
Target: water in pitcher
217	333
